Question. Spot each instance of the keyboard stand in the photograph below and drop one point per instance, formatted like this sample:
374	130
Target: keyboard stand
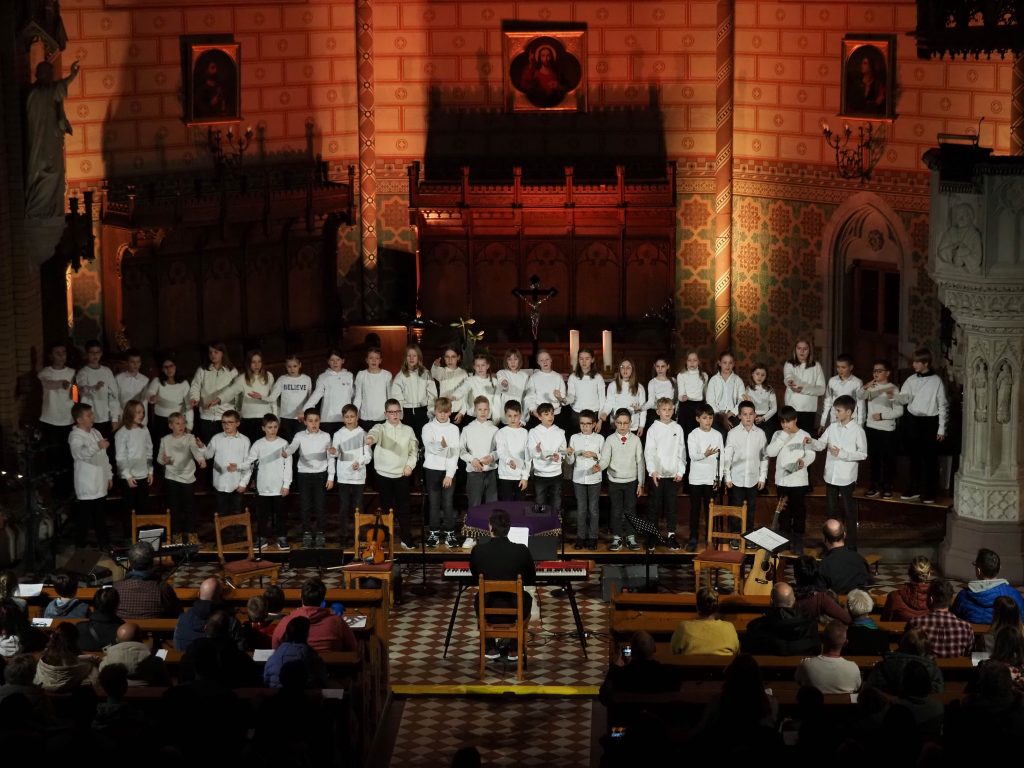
451	622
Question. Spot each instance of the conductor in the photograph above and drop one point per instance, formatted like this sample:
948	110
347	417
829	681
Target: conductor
502	560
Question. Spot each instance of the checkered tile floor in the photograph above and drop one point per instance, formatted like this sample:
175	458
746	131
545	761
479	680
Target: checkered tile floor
524	733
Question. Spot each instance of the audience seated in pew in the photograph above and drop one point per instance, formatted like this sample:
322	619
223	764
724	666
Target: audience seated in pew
828	671
274	596
20	680
217	656
143	594
65	605
100	630
910	600
811	598
60	668
948	636
915	694
887	675
117	719
14	629
1008	649
707	634
783	630
327	632
974	603
863	636
142	666
192	623
1005	613
988	720
842	568
294	655
258	631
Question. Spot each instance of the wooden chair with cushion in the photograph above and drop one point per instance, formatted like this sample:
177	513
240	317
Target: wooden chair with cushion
718	551
248	568
153	521
358	569
515	630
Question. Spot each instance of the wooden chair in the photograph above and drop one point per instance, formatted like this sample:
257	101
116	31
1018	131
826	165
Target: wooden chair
513	631
358	570
153	521
247	568
725	558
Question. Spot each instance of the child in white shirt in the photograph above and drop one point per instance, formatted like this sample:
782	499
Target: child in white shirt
93	477
805	383
483	384
178	454
691	386
791	478
372	389
745	469
353	456
273	484
133	448
253	387
476	449
440	460
725	391
451	381
622	456
415	390
880	427
847	445
512	380
97	387
660	385
291	391
316	477
512	444
665	457
923	396
843	383
394	459
766	404
132	384
229	450
584	454
168	395
625	391
55	421
704	445
335	387
586	391
209	392
547	446
545	386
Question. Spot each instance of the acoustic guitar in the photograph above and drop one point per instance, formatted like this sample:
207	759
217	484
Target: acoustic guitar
761	577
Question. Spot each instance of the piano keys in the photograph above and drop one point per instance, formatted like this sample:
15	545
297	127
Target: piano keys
548	571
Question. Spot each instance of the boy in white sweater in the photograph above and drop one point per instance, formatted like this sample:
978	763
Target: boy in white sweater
843	383
132	384
584	454
97	387
880	427
547	446
847	445
292	389
544	386
745	467
93	476
924	397
791	478
273	484
622	456
476	449
316	477
512	444
704	445
179	452
394	459
230	453
440	460
335	387
665	456
372	389
353	456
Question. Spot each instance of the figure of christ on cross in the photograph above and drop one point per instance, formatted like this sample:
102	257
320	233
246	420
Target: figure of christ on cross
533	297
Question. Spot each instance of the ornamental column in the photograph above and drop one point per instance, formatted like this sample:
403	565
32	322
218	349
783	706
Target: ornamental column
976	256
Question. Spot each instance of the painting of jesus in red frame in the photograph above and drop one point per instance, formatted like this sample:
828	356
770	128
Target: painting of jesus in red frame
546	71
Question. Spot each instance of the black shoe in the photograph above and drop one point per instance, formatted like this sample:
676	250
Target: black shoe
580	544
871	493
886	494
673	542
592	544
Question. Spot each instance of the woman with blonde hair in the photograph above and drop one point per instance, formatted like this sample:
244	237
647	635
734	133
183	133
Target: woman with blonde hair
911	599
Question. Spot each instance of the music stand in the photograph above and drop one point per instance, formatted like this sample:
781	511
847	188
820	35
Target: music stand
646	528
424	588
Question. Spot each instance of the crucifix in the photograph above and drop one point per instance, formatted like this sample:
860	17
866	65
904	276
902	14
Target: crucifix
533	297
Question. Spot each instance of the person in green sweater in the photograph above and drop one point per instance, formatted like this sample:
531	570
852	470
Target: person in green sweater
707	634
394	459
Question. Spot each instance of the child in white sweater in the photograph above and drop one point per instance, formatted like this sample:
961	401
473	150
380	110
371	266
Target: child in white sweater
512	444
622	457
440	460
273	484
93	476
372	389
353	456
178	454
794	456
334	390
230	453
665	456
133	448
477	451
547	446
291	392
584	454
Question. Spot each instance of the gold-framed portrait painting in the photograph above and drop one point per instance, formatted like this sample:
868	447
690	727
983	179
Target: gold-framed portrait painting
546	70
869	81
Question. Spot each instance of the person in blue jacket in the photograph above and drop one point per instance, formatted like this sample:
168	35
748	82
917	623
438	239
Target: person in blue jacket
974	602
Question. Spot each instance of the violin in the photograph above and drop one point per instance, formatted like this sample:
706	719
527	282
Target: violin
375	540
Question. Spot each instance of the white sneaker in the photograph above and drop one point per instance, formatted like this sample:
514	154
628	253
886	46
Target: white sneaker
616	544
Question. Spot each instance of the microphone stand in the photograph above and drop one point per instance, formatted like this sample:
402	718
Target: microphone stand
423	589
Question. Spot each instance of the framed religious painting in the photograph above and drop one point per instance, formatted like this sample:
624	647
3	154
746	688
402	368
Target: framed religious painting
869	77
211	82
545	70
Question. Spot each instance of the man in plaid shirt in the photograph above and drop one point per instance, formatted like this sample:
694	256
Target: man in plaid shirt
949	636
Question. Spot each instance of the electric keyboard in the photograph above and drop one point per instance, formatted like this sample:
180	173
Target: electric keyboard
547	571
167	550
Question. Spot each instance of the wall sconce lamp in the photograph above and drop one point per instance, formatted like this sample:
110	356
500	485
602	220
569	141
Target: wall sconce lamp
856	160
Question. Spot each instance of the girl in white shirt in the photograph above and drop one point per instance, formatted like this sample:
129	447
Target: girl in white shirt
293	389
254	387
335	387
512	379
661	385
725	391
691	383
179	453
168	395
545	386
625	391
585	392
805	384
451	381
209	389
483	384
133	449
415	390
372	389
55	422
766	404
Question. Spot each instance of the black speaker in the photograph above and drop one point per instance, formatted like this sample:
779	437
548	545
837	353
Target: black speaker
83	566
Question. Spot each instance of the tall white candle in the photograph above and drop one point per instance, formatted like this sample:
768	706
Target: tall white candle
606	348
574	348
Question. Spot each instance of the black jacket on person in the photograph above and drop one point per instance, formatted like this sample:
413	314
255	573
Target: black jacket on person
192	625
782	632
843	569
98	632
502	560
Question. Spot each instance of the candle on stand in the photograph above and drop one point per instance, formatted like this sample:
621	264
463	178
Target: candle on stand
574	348
606	349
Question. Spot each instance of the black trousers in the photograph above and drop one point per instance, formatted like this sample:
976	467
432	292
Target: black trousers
180	499
89	514
272	516
833	494
700	506
924	453
882	455
350	501
394	494
549	491
508	490
663	502
229	502
136	498
738	496
793	519
622	499
312	492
